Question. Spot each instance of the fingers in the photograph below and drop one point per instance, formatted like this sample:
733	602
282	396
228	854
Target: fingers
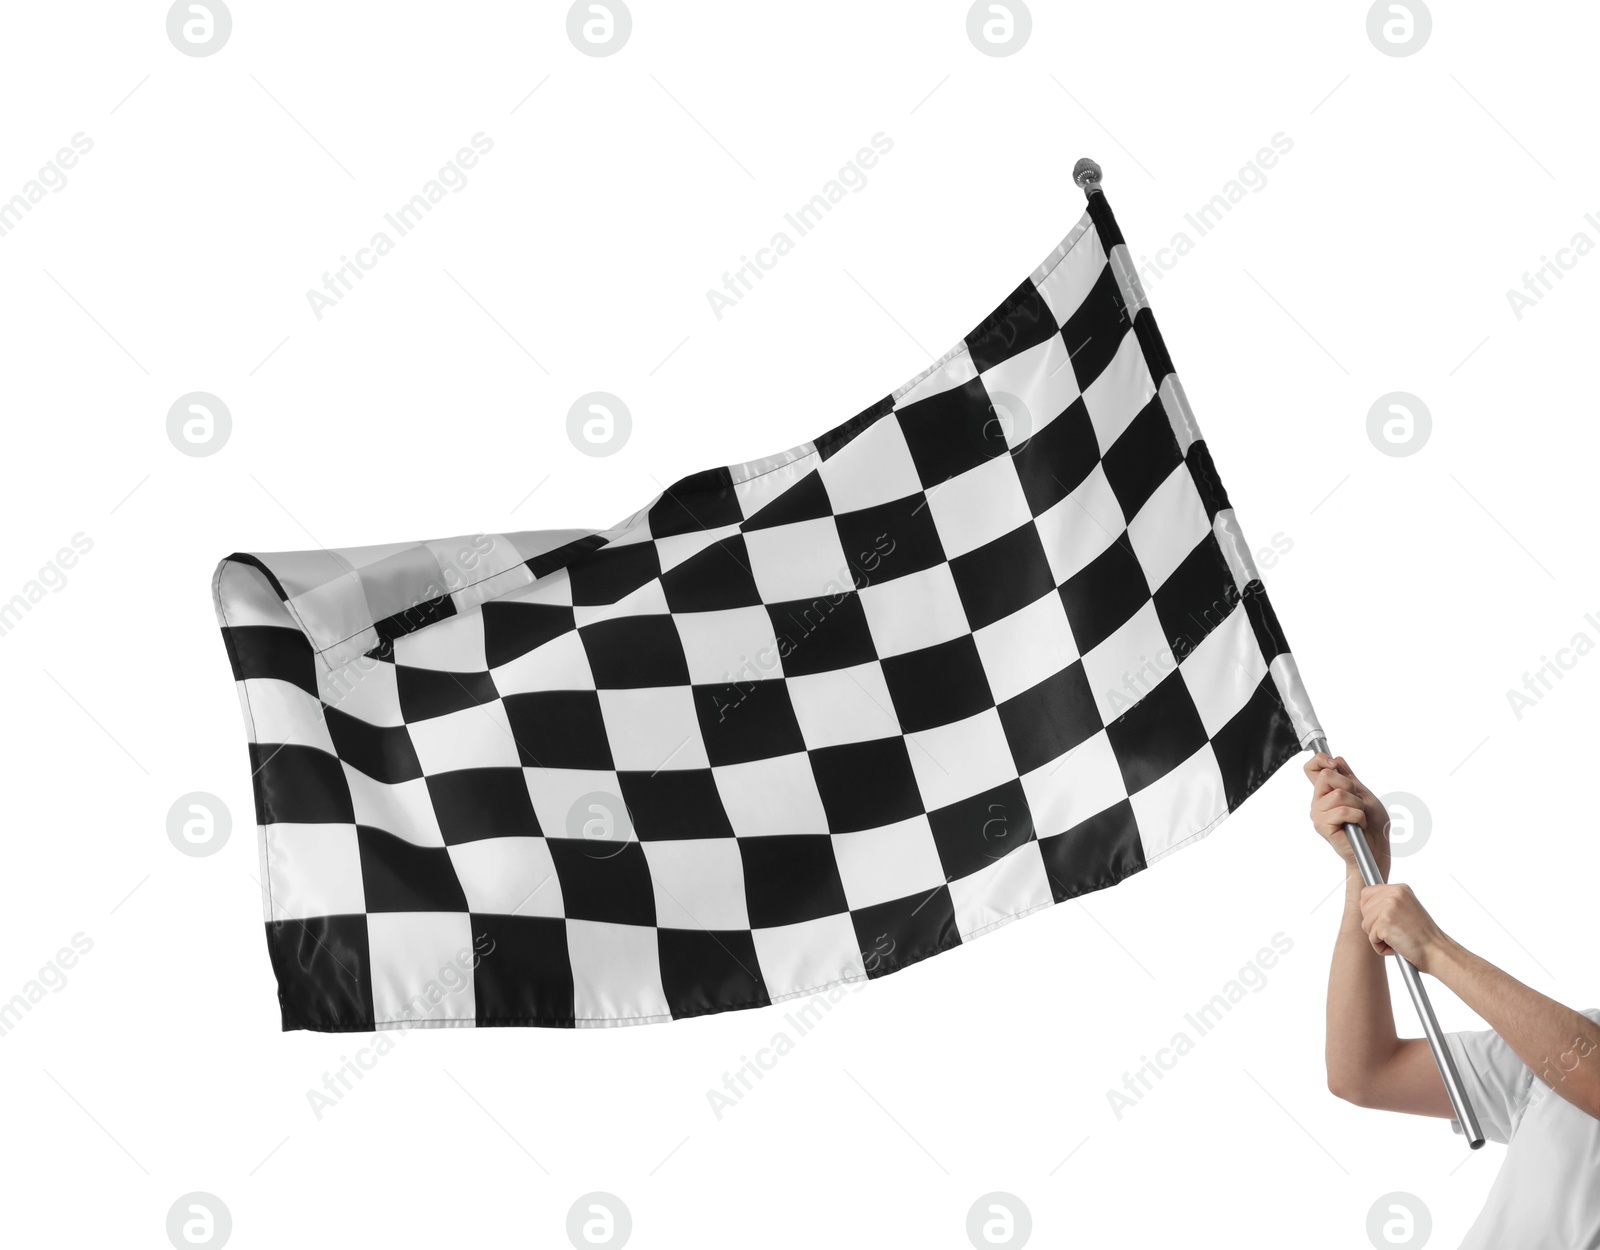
1337	799
1340	800
1332	809
1321	763
1375	908
1383	906
1329	779
1351	780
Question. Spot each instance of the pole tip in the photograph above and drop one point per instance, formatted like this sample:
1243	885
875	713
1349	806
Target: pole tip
1086	173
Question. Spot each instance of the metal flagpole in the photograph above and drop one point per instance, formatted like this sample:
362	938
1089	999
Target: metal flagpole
1086	173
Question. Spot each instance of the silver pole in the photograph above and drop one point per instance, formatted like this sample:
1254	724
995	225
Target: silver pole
1419	994
1086	173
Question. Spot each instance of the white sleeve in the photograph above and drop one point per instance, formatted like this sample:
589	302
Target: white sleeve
1497	1083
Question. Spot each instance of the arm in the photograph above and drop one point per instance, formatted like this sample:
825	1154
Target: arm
1556	1043
1368	1064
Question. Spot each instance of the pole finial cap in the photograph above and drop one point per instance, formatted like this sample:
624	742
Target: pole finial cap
1086	173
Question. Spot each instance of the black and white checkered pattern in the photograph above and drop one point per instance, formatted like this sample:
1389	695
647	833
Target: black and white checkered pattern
993	643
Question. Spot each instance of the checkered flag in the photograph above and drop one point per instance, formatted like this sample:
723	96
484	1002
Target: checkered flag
995	642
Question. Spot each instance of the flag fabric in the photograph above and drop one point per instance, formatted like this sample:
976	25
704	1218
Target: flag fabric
995	642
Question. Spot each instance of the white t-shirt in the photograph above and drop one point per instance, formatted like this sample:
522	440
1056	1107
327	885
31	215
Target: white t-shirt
1547	1195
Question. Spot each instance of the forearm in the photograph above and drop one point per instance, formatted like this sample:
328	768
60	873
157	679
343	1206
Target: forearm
1361	1033
1560	1046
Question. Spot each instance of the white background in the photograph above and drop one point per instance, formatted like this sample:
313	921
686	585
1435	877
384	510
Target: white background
433	399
